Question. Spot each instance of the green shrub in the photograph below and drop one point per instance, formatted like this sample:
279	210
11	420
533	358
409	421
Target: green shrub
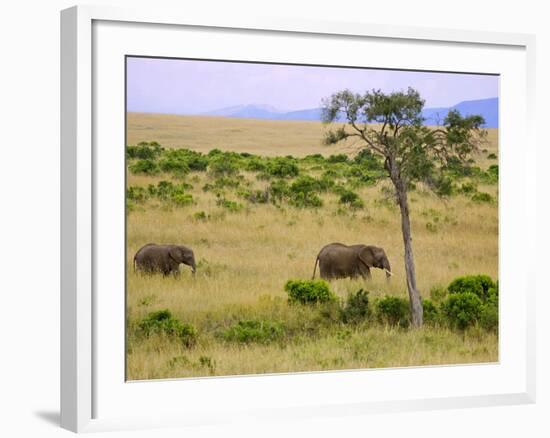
462	309
144	151
490	176
232	206
308	291
223	165
200	216
255	164
282	167
181	161
444	186
492	156
314	158
468	188
162	322
339	158
393	310
259	331
489	311
476	284
356	307
430	312
169	192
368	160
181	199
352	199
362	174
482	197
146	167
279	189
305	199
488	318
137	194
305	184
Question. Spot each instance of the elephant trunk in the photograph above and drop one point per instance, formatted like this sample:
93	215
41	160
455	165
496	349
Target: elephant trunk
387	268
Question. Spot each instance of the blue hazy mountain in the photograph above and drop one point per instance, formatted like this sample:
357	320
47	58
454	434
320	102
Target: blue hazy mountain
251	111
488	108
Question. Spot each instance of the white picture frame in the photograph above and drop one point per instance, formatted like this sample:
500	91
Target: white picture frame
84	318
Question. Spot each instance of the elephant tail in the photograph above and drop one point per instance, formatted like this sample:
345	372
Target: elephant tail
315	267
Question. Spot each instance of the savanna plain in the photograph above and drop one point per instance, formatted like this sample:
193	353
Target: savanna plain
256	201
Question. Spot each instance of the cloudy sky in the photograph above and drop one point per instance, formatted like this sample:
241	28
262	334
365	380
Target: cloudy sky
194	87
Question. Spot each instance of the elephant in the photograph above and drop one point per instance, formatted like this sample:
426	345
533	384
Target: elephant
166	259
337	260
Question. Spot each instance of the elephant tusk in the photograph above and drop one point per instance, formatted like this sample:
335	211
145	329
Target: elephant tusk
388	272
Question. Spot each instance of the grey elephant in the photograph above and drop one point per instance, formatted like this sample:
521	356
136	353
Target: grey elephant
165	259
337	260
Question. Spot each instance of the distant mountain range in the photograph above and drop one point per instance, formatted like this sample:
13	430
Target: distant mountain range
488	108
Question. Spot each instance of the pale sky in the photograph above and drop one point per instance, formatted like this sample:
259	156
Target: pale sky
194	87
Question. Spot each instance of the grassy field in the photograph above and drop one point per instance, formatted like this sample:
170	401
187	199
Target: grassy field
245	257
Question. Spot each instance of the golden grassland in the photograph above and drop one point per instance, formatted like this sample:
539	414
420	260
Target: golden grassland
245	258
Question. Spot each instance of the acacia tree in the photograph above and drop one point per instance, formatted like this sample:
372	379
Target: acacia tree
392	127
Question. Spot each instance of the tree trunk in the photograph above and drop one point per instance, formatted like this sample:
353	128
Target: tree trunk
414	295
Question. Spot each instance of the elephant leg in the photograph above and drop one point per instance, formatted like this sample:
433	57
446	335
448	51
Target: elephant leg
365	272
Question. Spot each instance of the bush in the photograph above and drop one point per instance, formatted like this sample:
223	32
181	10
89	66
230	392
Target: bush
482	197
430	312
162	322
490	176
181	161
468	188
393	310
259	331
146	167
136	194
305	184
222	182
356	307
488	318
443	186
489	312
255	164
201	216
279	189
282	167
223	165
476	284
172	193
339	158
352	199
144	151
308	291
492	156
368	160
362	174
305	199
232	206
462	309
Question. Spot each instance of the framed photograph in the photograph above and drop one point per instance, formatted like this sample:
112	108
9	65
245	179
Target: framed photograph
335	211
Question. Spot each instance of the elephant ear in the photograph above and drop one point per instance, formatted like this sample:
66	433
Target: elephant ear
175	254
366	257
